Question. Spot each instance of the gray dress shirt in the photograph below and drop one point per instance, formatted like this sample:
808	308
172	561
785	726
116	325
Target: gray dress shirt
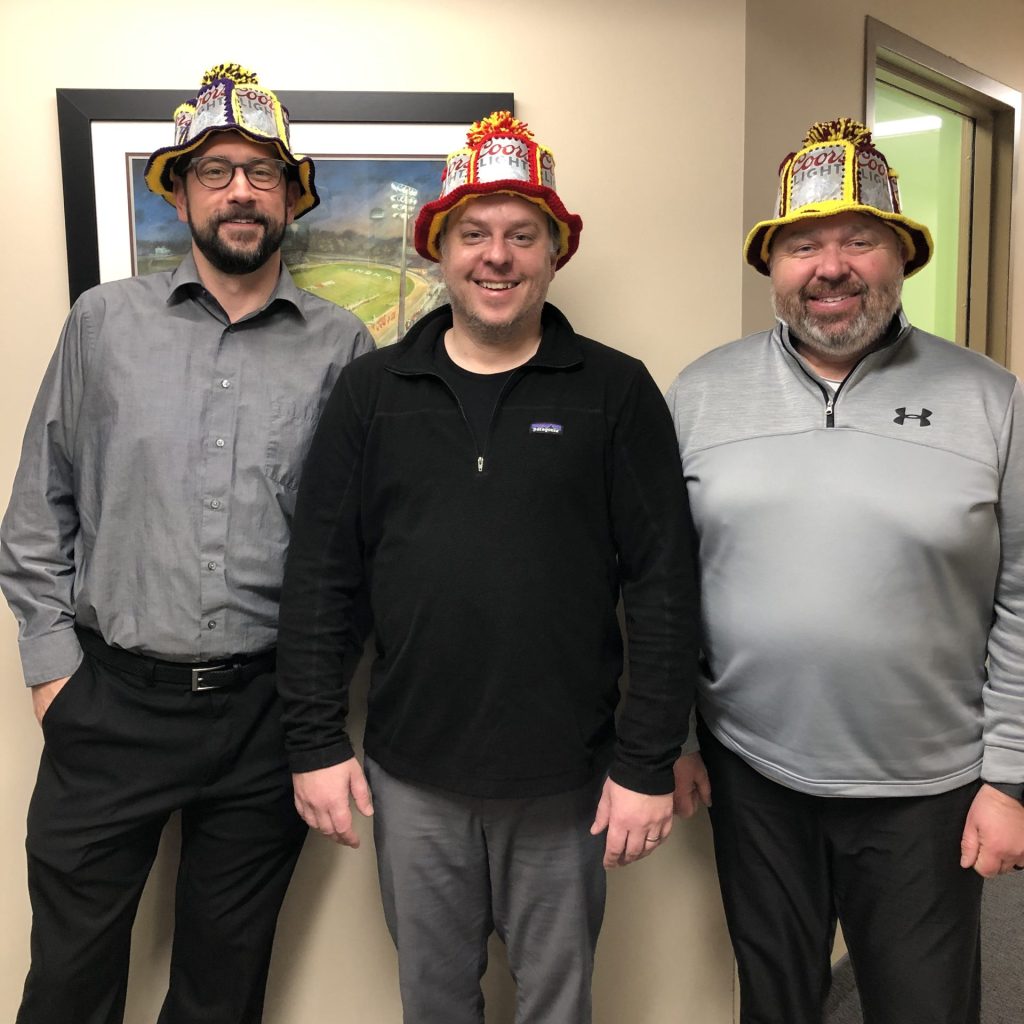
158	476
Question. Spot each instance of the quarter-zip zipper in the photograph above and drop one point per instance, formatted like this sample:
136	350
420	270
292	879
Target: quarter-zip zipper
832	397
465	418
514	375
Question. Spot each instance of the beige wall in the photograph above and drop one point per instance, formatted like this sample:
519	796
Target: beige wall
668	118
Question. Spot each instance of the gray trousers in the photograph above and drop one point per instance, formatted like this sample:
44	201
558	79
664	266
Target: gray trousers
453	869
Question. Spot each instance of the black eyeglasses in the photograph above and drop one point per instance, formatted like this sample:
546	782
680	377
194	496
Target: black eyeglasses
215	172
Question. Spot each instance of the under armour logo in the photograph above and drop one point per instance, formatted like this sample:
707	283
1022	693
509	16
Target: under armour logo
922	417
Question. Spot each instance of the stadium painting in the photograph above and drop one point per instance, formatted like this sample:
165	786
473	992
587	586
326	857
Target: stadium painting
379	158
354	249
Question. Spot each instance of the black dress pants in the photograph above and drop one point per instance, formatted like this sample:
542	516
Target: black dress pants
121	754
889	868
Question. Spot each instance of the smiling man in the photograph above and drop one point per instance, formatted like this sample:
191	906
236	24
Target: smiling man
233	231
143	552
857	488
836	283
483	493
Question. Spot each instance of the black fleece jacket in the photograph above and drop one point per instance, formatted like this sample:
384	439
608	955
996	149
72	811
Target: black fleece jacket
491	577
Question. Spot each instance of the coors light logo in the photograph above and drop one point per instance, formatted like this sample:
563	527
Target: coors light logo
547	169
873	173
256	111
456	173
182	124
503	158
210	108
817	175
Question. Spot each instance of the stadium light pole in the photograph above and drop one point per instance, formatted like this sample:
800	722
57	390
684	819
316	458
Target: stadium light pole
376	214
403	202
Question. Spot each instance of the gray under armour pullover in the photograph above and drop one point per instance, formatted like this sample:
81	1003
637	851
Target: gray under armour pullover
862	563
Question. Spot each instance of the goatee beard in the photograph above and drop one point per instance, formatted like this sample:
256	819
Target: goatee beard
821	334
229	259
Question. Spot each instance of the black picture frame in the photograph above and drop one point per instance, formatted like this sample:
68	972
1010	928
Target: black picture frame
78	108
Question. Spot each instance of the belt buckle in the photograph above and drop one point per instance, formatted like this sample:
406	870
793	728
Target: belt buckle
198	686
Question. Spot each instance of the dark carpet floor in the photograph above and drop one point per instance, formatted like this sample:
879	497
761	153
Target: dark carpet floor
1002	960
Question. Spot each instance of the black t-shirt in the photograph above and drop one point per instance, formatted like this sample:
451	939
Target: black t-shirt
478	393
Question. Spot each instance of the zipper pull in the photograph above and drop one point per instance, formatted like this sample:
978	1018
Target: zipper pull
480	464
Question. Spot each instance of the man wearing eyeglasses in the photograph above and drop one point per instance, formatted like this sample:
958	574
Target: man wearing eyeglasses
142	554
237	220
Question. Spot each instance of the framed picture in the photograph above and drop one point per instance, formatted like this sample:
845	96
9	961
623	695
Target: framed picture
379	156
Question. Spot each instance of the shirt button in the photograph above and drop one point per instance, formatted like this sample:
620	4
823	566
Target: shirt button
212	624
225	383
220	442
215	503
211	566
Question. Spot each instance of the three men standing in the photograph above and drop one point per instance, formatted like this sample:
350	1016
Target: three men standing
482	494
857	489
143	552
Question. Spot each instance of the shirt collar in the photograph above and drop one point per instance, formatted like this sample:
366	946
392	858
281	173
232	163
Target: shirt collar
185	279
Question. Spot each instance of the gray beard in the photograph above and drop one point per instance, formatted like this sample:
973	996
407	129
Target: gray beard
856	337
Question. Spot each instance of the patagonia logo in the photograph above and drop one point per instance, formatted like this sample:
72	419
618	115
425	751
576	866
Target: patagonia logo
922	417
545	428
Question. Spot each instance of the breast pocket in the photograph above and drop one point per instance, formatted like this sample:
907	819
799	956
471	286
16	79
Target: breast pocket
291	431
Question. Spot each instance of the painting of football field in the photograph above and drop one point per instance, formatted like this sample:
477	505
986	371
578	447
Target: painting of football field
348	250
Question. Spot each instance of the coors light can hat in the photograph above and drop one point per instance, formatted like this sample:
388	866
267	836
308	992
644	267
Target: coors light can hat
230	98
502	156
838	169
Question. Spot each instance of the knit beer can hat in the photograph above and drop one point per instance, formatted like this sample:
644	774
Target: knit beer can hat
501	156
230	98
838	169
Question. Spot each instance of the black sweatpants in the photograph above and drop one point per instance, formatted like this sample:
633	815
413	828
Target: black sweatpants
121	754
888	867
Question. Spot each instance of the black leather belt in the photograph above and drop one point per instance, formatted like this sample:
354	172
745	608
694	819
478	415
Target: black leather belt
212	675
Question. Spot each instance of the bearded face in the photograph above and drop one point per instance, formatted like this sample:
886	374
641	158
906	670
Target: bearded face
837	281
